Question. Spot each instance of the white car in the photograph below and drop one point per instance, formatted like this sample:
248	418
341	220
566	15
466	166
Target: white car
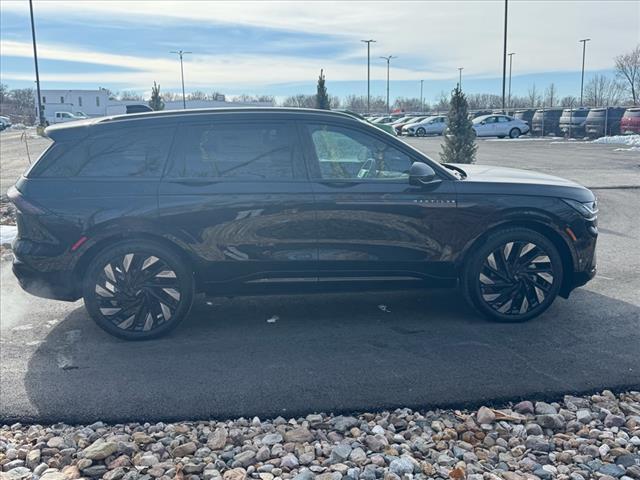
499	126
435	125
62	117
4	123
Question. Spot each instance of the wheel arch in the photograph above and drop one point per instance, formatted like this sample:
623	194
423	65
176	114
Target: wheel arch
84	260
561	243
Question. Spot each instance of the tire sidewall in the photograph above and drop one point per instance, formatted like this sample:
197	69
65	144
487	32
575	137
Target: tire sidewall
421	132
178	265
517	133
479	255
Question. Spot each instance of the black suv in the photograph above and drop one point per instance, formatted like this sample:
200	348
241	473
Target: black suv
137	213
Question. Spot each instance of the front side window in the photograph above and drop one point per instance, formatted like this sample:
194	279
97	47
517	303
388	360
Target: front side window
242	151
491	120
139	152
346	154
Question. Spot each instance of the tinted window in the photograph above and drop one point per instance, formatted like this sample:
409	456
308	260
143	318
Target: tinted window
236	151
346	154
504	119
139	152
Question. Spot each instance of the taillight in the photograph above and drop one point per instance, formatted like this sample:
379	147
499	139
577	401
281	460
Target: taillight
22	204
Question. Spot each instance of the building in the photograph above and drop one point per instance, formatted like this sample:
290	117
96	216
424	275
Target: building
96	103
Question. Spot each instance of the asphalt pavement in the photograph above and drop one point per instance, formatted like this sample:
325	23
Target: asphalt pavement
342	352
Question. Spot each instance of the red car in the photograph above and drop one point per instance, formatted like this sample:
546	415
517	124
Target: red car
630	122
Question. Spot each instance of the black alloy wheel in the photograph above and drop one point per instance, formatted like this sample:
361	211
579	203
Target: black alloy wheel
515	276
138	290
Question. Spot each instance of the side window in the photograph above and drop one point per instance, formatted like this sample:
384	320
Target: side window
346	154
504	119
139	152
491	120
242	151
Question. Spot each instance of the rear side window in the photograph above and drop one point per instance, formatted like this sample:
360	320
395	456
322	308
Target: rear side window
138	152
242	151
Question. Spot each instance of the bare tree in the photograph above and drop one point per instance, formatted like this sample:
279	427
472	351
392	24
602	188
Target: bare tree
129	95
442	101
550	95
533	97
407	104
568	101
602	91
628	68
300	100
197	95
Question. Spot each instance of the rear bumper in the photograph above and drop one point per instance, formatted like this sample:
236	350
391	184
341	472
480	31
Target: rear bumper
53	285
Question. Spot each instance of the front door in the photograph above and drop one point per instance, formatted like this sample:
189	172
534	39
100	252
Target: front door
371	223
238	195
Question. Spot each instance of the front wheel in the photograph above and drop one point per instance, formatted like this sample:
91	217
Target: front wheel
421	132
514	276
138	289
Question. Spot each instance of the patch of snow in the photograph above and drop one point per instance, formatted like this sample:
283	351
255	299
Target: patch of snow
629	140
630	149
7	234
18	126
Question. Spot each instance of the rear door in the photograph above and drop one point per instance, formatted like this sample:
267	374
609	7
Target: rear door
371	224
237	196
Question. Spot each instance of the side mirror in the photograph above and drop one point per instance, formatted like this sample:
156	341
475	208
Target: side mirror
421	174
483	122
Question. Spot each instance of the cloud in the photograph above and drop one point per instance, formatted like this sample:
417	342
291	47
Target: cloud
434	37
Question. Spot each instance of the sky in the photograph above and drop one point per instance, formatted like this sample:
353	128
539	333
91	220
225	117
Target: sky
278	48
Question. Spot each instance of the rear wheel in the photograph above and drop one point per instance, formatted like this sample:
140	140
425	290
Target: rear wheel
514	133
138	290
514	276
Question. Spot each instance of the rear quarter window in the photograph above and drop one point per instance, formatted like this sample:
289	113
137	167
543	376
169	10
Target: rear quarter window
138	152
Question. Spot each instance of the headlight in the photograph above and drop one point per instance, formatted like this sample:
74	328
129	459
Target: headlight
589	210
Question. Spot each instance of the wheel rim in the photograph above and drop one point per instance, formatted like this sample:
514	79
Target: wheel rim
137	292
421	132
516	278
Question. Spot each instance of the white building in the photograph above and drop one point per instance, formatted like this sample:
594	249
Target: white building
92	102
96	103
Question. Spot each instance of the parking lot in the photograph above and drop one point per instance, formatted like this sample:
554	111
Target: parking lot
340	352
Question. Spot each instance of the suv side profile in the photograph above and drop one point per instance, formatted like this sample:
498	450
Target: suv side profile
136	214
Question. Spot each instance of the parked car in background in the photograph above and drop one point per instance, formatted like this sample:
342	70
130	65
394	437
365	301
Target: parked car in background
435	125
81	115
384	127
500	126
630	122
604	121
62	117
165	205
572	121
479	113
385	119
141	108
525	114
399	127
5	122
546	121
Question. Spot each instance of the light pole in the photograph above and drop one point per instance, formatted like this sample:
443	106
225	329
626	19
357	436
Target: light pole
180	53
368	42
421	97
460	77
35	59
388	59
504	54
584	47
510	65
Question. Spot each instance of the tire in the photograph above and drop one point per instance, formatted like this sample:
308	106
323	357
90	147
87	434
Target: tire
138	289
421	132
510	258
514	133
501	136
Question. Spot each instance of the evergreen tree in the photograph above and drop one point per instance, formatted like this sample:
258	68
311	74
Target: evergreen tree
322	98
156	102
460	139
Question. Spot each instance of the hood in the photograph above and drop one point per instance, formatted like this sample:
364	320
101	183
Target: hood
524	182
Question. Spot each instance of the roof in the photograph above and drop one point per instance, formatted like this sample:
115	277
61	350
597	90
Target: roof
79	128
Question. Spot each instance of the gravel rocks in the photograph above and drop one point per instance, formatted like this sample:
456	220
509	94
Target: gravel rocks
580	438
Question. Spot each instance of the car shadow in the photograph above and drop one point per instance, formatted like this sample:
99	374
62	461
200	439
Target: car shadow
342	352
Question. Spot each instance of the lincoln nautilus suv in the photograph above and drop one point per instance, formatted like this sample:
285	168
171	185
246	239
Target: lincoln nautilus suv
136	214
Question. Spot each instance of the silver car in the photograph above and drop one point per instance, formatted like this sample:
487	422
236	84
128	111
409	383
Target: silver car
499	126
435	125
